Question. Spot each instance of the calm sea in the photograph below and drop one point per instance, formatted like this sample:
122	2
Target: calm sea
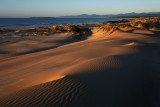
13	22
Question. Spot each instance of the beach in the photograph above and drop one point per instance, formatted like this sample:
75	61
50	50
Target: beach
101	64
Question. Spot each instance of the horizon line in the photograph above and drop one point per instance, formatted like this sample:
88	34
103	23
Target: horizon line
78	15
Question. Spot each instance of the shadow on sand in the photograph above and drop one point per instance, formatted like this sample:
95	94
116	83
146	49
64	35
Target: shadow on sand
68	40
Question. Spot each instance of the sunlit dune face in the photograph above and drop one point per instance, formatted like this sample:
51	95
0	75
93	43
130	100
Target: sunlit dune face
54	78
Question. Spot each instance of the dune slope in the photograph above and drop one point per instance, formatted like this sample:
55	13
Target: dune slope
106	70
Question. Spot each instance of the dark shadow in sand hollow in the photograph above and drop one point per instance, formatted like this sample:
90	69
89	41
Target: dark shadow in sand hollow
60	42
155	33
68	40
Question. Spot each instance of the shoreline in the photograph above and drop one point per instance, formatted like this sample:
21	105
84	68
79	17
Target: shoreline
53	25
66	23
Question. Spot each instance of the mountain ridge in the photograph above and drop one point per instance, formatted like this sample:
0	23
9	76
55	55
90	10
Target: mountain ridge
132	14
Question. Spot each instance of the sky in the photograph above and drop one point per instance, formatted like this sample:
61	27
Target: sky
54	8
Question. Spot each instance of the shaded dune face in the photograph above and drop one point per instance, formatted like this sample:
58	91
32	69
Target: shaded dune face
122	83
118	70
63	92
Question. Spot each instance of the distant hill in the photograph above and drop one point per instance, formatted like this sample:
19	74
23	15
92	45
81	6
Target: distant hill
42	17
86	16
133	14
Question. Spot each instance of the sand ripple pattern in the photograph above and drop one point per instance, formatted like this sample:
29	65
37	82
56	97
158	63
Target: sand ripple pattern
60	93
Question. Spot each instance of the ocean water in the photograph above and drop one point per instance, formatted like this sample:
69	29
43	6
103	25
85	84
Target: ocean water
14	22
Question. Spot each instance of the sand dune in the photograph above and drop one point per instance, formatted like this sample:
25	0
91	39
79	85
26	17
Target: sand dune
13	46
106	70
63	92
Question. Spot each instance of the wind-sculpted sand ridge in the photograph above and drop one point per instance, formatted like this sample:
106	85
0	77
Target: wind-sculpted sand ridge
118	69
